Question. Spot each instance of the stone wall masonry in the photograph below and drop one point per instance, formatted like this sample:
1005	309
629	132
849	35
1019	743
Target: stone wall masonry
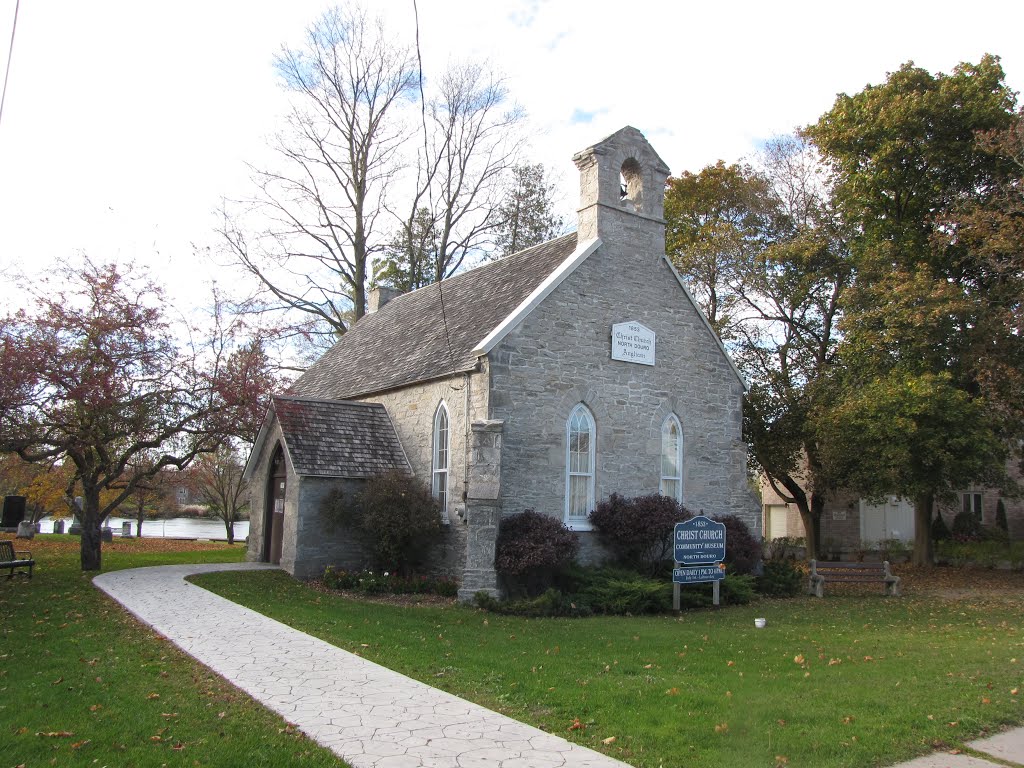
560	356
317	543
483	508
412	411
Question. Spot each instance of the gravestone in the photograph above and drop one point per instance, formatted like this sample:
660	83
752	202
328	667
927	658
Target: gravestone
106	533
26	529
76	522
126	530
58	526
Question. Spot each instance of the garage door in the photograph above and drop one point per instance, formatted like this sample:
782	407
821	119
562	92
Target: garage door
892	519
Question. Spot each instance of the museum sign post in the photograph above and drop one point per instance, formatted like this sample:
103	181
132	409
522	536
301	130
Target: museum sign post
699	549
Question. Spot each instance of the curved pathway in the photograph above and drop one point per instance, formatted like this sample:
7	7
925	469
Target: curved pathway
371	716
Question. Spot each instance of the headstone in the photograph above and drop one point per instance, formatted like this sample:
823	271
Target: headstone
26	529
58	526
76	523
106	533
14	511
126	530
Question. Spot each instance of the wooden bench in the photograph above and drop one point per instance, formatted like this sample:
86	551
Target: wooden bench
851	572
11	559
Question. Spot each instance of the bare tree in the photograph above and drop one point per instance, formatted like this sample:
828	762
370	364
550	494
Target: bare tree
339	152
217	478
472	142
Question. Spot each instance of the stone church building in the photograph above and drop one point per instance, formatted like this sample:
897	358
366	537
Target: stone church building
546	380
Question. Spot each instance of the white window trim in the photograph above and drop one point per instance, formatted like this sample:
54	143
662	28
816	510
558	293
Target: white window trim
670	421
580	523
435	469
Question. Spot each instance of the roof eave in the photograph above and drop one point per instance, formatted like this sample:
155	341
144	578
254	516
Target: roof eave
541	292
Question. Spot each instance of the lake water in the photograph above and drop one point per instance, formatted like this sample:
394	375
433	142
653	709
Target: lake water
174	528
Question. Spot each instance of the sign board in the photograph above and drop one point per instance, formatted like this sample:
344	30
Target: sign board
633	343
693	574
699	540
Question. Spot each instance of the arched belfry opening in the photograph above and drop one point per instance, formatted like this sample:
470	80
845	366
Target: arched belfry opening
631	181
273	510
621	174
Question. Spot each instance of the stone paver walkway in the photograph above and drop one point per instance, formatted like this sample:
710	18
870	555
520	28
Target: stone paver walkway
371	716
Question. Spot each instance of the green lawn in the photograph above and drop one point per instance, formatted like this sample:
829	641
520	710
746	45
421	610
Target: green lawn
84	684
851	680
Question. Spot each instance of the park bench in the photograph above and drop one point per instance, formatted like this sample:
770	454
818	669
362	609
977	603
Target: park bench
11	559
851	572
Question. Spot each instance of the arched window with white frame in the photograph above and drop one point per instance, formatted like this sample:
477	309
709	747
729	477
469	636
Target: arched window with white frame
441	454
672	459
580	457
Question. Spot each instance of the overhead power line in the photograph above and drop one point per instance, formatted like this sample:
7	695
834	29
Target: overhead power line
10	53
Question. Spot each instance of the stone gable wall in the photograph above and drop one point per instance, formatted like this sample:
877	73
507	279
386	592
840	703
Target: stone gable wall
560	355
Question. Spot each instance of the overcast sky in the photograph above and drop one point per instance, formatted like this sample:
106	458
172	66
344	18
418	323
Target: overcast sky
126	121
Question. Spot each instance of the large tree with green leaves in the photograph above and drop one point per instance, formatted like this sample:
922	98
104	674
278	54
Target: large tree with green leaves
765	256
718	220
905	159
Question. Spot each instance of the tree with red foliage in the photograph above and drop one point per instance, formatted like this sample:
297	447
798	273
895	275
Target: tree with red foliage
95	373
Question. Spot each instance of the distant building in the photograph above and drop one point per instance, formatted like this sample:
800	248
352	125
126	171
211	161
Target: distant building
850	523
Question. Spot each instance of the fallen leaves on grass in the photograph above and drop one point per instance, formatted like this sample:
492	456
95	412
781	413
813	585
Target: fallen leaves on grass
609	740
577	725
55	734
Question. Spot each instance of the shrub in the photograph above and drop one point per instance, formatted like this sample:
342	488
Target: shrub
394	515
781	578
966	527
783	548
1001	521
940	531
618	592
734	589
637	532
742	550
385	582
530	551
893	550
551	603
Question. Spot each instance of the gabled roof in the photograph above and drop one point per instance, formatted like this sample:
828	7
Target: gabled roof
332	438
406	341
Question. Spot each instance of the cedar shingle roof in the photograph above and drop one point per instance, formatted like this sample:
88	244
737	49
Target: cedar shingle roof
339	439
404	342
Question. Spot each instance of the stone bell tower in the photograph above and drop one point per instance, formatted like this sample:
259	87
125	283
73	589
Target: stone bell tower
622	189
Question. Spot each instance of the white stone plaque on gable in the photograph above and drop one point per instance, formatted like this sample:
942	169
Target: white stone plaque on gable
633	343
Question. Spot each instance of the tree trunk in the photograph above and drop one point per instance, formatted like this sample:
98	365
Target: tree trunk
229	525
91	537
924	554
811	518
